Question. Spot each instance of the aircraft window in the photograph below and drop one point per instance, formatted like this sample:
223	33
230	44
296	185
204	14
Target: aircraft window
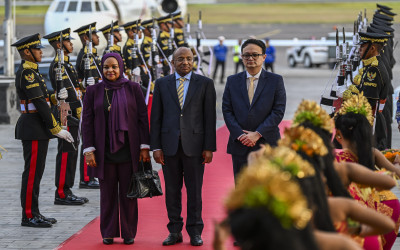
60	6
72	6
97	6
104	6
86	7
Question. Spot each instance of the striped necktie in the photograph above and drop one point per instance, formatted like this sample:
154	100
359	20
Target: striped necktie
180	91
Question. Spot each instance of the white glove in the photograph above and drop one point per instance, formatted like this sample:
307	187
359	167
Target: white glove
170	58
90	81
157	58
136	71
62	94
64	134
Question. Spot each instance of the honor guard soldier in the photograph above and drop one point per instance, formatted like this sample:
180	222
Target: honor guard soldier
67	153
370	81
179	25
112	36
383	60
145	47
89	38
166	42
35	127
134	60
88	68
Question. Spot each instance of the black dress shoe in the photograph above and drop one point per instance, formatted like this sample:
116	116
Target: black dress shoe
84	199
48	219
35	222
108	241
172	239
129	241
68	200
196	240
92	184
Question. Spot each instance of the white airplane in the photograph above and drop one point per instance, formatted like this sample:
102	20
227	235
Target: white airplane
76	13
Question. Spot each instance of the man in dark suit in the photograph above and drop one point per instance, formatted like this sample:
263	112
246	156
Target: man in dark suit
253	105
183	137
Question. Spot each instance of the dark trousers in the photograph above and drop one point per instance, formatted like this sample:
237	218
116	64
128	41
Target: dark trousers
238	161
65	170
269	65
217	64
114	205
237	65
35	153
179	168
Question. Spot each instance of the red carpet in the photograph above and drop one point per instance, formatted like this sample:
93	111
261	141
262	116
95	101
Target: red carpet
152	230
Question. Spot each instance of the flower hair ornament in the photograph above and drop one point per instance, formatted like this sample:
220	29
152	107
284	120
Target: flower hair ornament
288	160
310	111
304	139
261	186
357	104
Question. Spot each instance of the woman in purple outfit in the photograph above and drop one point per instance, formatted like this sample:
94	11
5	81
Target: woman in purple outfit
115	132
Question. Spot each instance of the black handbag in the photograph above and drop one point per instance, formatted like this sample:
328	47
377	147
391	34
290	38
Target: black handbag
145	182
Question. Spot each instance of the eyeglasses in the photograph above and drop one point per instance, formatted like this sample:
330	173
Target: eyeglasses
254	56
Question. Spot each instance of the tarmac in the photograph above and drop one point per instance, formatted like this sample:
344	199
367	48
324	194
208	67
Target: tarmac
300	83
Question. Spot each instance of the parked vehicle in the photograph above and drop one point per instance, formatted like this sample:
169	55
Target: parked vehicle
309	56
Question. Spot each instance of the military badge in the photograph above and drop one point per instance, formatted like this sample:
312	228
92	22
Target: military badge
371	76
179	37
30	78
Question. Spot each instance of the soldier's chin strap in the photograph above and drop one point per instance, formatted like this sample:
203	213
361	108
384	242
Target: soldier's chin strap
65	48
33	55
366	51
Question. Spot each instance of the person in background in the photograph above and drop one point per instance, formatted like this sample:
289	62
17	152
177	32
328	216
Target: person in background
115	132
270	59
220	52
237	59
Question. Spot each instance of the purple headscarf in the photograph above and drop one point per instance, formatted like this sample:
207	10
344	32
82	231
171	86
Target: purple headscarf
117	120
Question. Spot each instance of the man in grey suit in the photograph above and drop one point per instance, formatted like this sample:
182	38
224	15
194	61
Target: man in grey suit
183	137
253	105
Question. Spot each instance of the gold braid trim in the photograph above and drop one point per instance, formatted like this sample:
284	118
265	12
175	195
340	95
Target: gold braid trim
288	160
312	112
357	104
28	45
30	65
373	61
56	128
304	139
374	40
260	186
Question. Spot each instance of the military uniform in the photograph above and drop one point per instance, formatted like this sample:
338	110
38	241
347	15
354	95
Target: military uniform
165	44
127	55
180	39
67	153
106	30
83	53
85	180
371	81
35	127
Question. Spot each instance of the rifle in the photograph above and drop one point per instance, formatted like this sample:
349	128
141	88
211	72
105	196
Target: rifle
134	55
110	40
88	71
157	66
210	50
355	50
63	106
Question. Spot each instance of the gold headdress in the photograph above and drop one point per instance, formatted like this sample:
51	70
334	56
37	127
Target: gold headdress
357	104
312	112
263	186
304	139
288	160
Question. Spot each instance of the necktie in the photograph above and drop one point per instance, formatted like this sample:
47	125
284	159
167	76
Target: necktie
251	89
180	91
